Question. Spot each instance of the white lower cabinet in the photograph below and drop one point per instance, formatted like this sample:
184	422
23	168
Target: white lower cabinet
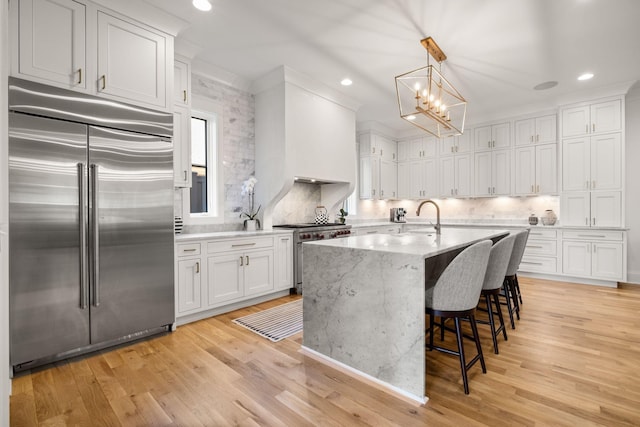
238	274
541	253
211	274
189	285
594	254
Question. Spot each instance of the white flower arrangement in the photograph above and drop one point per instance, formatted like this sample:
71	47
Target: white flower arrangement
248	190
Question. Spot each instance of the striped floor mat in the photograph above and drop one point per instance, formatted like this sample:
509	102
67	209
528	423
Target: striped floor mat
275	323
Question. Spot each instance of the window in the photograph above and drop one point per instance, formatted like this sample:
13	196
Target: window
202	203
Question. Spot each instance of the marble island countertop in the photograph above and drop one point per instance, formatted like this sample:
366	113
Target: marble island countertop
425	243
412	222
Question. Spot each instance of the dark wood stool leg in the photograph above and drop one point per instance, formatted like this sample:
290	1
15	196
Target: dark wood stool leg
514	296
476	337
505	286
492	323
463	363
518	289
496	300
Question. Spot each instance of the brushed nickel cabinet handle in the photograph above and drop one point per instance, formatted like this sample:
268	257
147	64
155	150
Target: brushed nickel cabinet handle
189	250
185	175
104	81
537	138
239	245
593	127
198	267
79	76
247	257
184	95
241	260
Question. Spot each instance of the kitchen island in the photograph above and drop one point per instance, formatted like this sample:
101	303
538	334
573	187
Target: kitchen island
364	302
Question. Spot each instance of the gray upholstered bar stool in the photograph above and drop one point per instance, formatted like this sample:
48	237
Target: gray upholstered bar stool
511	287
456	295
493	281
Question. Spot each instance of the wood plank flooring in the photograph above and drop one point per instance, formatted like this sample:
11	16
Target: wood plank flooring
573	360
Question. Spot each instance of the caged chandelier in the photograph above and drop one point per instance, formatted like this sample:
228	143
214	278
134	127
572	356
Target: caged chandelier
427	100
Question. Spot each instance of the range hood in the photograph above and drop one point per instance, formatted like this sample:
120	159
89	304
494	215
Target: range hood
305	131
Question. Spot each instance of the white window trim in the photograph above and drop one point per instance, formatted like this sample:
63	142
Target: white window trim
209	110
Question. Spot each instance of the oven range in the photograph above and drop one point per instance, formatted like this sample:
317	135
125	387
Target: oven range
308	233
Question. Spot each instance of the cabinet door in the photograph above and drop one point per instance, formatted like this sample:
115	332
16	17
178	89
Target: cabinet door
131	62
182	146
369	177
258	272
447	176
429	169
283	263
524	171
52	42
606	116
448	145
181	83
430	148
483	174
576	164
404	180
575	209
606	261
224	278
576	258
525	132
545	129
189	285
606	162
388	179
575	121
464	142
414	179
501	135
606	209
483	138
501	173
546	169
388	149
464	175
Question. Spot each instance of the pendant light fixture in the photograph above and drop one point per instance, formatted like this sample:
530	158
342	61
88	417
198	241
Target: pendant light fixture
427	100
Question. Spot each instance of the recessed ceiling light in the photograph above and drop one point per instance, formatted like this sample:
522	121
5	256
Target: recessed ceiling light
346	82
202	5
585	76
546	85
411	117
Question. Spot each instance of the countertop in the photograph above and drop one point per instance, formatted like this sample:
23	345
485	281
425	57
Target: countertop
230	234
425	244
480	224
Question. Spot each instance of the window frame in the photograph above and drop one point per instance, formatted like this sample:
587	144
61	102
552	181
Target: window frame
212	112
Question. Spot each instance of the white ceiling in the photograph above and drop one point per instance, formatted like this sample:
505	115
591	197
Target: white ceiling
497	50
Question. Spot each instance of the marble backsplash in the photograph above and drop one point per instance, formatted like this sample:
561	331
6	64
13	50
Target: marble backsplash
298	205
494	209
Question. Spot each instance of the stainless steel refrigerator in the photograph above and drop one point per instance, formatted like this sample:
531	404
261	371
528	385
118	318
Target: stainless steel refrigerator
90	223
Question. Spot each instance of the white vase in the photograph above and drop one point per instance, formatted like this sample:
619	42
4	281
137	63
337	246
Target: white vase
250	225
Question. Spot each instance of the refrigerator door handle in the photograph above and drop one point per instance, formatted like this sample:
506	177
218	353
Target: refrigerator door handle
82	219
95	235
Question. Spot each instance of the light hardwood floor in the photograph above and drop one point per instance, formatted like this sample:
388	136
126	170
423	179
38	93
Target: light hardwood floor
574	360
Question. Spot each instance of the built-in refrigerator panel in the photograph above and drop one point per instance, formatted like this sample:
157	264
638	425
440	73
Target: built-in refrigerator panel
49	313
131	176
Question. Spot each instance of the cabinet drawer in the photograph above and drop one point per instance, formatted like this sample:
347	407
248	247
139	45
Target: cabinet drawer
542	234
239	244
541	247
188	249
593	235
536	264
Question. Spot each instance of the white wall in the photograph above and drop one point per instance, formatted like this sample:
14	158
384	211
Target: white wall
5	383
632	128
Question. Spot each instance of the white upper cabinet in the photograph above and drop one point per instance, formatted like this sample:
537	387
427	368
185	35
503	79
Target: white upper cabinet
492	173
457	144
592	163
537	130
182	146
131	62
494	136
591	209
456	173
589	119
535	170
51	42
78	46
378	167
182	83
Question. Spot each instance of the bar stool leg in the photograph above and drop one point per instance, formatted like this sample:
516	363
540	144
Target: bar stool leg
463	363
505	286
496	300
492	323
476	337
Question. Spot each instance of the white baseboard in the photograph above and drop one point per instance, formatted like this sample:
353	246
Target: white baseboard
633	277
579	280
